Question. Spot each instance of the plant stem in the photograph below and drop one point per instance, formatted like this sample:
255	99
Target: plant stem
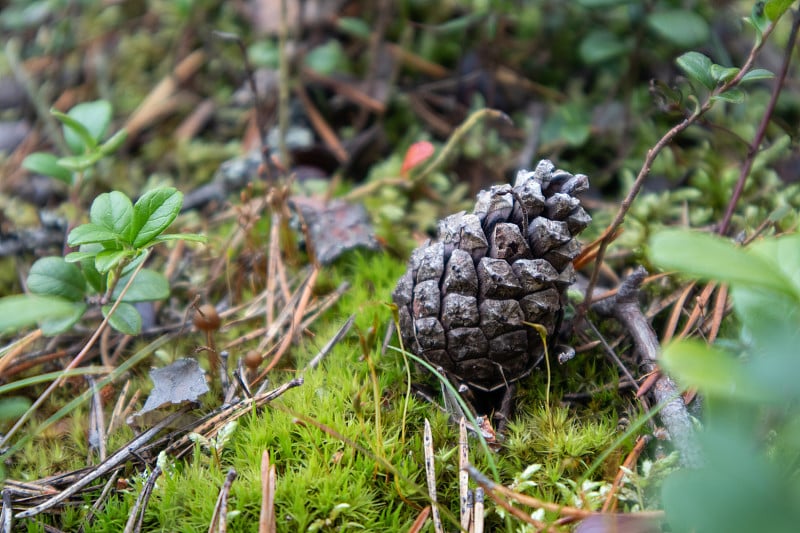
753	149
652	153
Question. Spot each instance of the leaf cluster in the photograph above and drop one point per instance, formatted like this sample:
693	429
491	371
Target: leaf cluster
112	247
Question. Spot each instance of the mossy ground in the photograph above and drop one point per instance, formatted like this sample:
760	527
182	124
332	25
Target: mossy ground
330	483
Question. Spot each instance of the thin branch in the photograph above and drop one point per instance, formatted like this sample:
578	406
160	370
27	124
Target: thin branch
607	236
761	132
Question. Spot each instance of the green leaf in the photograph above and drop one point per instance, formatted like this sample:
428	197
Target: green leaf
710	257
53	276
783	252
570	123
737	489
682	27
722	74
126	319
55	325
91	233
23	310
108	259
712	371
13	407
191	237
697	67
78	138
774	9
149	285
327	58
601	45
758	20
734	96
86	256
757	74
153	213
85	124
356	27
113	211
77	257
47	164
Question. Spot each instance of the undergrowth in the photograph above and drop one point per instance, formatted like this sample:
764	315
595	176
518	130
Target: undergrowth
324	481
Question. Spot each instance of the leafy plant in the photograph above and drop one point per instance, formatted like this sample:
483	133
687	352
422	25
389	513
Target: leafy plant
752	425
83	127
107	270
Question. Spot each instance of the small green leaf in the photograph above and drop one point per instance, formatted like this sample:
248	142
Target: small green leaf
153	213
77	257
711	257
47	164
712	371
355	27
13	407
757	74
734	96
774	9
191	237
53	276
55	325
109	259
126	319
85	124
112	211
722	74
758	20
570	123
682	27
23	310
327	58
76	134
698	67
149	285
91	233
601	45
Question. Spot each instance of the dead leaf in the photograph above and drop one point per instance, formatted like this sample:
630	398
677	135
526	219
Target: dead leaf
182	381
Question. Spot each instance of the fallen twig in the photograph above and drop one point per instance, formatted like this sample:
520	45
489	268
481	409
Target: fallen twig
219	520
120	457
625	307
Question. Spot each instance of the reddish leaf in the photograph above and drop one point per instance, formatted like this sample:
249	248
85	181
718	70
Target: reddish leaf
415	155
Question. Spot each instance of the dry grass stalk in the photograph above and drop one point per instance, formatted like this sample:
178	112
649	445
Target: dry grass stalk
430	476
267	522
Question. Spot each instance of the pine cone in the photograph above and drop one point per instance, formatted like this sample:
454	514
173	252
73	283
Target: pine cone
465	297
